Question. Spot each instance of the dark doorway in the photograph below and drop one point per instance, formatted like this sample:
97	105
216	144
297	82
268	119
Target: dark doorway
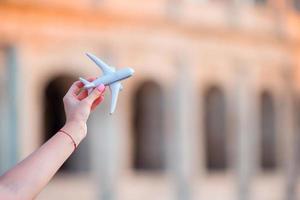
215	129
149	151
268	132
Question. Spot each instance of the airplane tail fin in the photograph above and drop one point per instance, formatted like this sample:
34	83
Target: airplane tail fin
87	84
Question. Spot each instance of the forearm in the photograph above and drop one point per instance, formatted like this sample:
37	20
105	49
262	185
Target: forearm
31	175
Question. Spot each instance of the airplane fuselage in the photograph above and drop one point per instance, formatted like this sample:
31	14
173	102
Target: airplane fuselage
110	77
113	77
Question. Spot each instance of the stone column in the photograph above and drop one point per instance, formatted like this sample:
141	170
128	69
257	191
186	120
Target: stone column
104	133
287	121
180	134
9	111
245	128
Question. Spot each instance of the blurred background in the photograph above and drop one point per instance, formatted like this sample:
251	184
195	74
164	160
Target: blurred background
212	112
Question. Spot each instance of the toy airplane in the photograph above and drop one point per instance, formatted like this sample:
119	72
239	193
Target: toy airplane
111	77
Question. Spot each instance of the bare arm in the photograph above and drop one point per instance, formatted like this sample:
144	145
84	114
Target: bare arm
31	175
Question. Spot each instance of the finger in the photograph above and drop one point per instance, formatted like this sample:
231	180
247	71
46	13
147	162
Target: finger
75	87
82	95
85	94
95	94
81	84
91	78
97	102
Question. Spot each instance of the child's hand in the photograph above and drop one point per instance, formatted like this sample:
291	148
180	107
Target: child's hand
78	104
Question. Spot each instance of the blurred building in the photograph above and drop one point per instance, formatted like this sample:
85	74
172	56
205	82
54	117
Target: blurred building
211	112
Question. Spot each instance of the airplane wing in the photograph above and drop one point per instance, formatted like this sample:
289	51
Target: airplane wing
102	65
114	90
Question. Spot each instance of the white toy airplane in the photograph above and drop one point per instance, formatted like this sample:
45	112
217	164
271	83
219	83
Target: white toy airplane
111	77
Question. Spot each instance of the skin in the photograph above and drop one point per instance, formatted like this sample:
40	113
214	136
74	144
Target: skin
30	176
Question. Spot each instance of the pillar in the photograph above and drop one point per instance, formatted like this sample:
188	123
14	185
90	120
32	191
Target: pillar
179	134
9	110
245	129
104	130
287	121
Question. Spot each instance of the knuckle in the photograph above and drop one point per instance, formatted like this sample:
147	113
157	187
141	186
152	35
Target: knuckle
97	93
76	82
94	94
66	99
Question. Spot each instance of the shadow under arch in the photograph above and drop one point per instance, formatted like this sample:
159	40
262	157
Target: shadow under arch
268	131
215	129
148	123
54	119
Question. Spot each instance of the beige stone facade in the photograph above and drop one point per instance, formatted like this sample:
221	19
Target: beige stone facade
185	47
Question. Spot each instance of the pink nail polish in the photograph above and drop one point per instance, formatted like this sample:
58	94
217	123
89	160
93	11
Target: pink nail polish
101	88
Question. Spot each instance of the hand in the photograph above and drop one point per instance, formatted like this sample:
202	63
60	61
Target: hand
78	104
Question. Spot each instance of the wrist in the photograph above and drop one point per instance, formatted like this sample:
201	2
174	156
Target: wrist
77	129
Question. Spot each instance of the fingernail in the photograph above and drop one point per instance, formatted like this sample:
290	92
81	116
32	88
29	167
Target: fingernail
101	88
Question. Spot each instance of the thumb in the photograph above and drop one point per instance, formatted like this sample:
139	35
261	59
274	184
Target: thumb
95	94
